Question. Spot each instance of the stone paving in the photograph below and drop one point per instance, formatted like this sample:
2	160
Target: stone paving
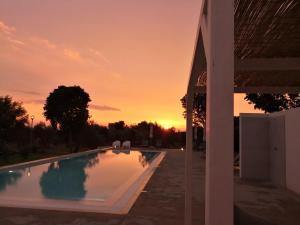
163	202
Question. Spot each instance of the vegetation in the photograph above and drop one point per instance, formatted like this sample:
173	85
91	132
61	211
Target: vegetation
273	102
266	102
199	109
67	110
13	121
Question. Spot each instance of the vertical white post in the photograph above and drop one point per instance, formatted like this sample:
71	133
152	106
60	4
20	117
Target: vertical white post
198	67
220	89
188	157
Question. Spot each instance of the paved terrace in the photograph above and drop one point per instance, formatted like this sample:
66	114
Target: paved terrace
163	203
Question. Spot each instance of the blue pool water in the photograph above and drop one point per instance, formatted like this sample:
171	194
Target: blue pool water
97	177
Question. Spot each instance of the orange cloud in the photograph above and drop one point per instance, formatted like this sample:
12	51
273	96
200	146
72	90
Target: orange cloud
43	42
16	42
103	108
25	92
72	54
6	29
98	54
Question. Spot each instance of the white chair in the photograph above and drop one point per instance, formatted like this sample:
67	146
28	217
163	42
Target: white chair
126	144
116	144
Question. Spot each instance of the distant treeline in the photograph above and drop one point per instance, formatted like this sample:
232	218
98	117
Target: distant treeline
24	139
18	136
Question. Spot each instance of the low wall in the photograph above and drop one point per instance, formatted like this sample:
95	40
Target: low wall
270	148
277	149
254	147
292	127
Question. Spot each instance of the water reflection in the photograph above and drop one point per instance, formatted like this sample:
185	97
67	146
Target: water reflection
65	179
146	157
93	176
117	151
9	178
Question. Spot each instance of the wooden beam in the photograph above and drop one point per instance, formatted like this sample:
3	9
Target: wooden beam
259	89
268	64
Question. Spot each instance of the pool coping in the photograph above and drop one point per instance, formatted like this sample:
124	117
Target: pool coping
120	203
50	159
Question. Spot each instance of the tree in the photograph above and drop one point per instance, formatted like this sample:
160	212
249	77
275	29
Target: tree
12	116
273	102
44	135
199	109
117	125
67	110
118	130
94	135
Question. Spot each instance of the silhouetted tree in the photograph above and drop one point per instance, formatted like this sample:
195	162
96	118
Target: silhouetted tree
94	135
44	135
117	130
67	110
13	116
273	102
199	109
141	133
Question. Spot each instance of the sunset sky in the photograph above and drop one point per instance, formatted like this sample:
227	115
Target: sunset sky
133	57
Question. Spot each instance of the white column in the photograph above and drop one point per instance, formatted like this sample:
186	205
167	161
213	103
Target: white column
188	157
198	66
220	89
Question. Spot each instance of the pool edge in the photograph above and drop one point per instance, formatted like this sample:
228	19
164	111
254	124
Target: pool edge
50	159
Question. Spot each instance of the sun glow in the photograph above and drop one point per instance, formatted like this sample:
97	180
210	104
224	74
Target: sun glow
166	124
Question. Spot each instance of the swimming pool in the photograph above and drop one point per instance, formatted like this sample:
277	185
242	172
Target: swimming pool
106	180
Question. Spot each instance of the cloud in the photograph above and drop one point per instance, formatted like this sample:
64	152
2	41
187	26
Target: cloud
8	33
38	50
35	102
72	54
28	60
6	29
92	106
26	92
16	42
104	108
43	42
98	54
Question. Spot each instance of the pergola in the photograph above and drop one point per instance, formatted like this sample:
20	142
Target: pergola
242	46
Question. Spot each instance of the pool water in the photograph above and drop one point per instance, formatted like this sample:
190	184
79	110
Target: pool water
95	177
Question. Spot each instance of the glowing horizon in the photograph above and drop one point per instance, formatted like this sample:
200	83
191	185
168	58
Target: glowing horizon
133	57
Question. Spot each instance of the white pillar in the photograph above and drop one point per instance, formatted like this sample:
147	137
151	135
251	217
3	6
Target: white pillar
188	157
220	89
199	66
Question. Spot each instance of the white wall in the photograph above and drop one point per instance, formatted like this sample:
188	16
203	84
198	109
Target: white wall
292	127
254	146
277	149
270	148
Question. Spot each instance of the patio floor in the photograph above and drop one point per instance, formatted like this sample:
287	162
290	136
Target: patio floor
163	202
